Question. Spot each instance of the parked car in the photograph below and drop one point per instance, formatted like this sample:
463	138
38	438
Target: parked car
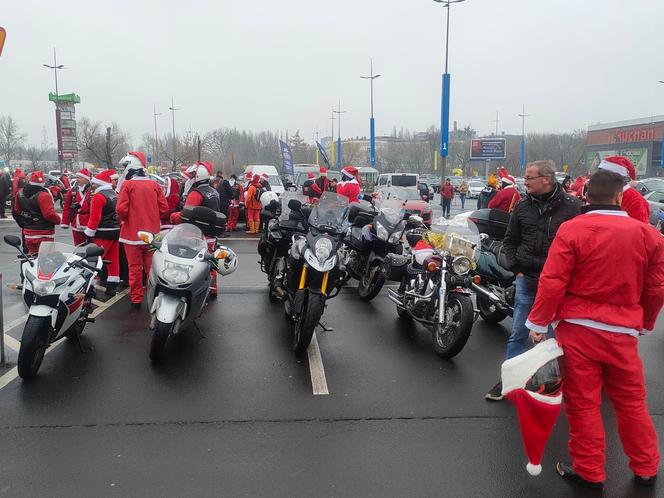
656	201
413	203
474	188
405	180
456	181
646	185
272	176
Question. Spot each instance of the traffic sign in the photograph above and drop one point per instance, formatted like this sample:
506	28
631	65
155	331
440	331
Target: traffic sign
487	148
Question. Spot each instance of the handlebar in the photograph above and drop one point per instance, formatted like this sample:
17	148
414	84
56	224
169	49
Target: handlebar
83	264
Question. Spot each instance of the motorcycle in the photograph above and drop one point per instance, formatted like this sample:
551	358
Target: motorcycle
436	282
275	242
496	290
58	291
312	271
370	238
180	279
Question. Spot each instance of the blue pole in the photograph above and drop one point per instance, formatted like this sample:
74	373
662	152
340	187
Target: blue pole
661	153
445	117
339	152
522	154
372	142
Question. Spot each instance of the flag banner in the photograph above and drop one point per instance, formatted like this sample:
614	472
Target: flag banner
287	157
322	153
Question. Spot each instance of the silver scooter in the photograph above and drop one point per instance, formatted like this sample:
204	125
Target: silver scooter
180	279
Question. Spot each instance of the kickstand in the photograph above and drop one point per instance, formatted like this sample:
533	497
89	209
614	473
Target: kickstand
200	332
80	345
324	326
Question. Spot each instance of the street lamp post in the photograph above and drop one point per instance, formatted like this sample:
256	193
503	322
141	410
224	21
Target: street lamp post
156	140
173	109
55	68
339	112
445	104
332	139
522	148
372	128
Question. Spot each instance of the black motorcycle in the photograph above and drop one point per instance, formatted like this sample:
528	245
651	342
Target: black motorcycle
312	271
436	281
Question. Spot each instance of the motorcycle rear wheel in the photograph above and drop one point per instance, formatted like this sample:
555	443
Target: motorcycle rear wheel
450	337
312	311
488	311
33	346
159	337
368	289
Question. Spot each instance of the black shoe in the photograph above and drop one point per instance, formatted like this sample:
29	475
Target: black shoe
136	305
645	481
567	472
111	289
495	394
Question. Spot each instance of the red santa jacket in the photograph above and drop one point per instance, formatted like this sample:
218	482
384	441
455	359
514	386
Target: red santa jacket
102	222
350	189
635	205
604	270
80	219
505	199
194	198
141	206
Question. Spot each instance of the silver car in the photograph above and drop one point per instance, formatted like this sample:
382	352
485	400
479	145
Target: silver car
656	201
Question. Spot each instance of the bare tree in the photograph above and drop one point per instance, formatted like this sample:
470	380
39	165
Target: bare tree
101	144
34	154
11	138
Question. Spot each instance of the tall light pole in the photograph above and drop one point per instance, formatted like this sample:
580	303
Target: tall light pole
496	121
55	68
522	148
372	128
332	142
173	109
339	112
156	140
445	104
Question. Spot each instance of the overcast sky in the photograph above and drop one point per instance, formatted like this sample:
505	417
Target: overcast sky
262	64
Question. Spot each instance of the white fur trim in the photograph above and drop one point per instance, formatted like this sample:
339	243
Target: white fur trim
37	184
89	232
584	322
97	181
113	279
516	371
540	329
609	212
64	226
533	470
132	242
613	167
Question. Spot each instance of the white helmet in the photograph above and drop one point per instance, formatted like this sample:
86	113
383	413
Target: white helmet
199	172
228	264
267	197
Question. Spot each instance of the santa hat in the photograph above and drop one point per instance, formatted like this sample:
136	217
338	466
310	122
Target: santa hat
208	166
265	175
248	176
505	177
323	171
310	176
114	174
619	164
103	177
84	173
37	178
171	186
538	403
256	179
350	171
140	156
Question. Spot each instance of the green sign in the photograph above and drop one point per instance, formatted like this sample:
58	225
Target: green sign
638	156
69	97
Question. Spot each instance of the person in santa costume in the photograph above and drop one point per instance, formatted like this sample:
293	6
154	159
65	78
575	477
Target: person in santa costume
320	184
632	201
76	208
253	205
18	181
507	197
140	206
598	316
172	194
234	207
103	226
349	185
35	213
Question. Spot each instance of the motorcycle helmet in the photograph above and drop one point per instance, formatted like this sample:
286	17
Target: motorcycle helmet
267	197
229	264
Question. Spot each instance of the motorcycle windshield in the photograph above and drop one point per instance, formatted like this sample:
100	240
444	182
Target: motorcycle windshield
393	204
287	196
329	212
51	256
185	241
458	236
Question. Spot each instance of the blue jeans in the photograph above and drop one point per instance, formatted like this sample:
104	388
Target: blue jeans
524	299
463	200
446	206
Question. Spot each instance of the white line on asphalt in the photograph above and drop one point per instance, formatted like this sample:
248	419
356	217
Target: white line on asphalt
13	373
316	370
15	323
97	302
12	343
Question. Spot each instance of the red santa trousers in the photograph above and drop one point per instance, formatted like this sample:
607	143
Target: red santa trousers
112	254
139	261
233	215
79	237
32	242
594	358
253	215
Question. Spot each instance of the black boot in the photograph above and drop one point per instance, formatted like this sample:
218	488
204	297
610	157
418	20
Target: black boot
111	288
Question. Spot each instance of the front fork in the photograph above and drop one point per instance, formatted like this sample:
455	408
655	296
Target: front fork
303	280
442	293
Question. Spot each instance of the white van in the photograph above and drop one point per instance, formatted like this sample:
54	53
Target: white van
273	178
404	180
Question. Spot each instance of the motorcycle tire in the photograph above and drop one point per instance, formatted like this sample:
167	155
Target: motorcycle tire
368	290
488	310
312	311
159	337
448	342
33	346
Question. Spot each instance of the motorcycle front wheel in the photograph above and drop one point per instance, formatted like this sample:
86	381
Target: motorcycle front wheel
159	337
33	346
368	286
312	311
488	311
451	336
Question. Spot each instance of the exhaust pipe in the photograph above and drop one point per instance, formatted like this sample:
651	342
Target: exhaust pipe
490	295
394	297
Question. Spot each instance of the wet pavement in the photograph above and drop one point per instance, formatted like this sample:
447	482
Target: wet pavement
232	412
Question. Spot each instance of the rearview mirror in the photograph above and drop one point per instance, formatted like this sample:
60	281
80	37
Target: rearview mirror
93	251
146	237
12	240
414	219
294	205
221	254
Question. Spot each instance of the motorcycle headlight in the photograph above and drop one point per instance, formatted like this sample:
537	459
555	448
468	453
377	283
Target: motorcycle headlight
394	238
43	287
461	265
322	249
175	273
381	232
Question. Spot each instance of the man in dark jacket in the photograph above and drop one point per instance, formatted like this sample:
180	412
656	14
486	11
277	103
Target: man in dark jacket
5	188
532	228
